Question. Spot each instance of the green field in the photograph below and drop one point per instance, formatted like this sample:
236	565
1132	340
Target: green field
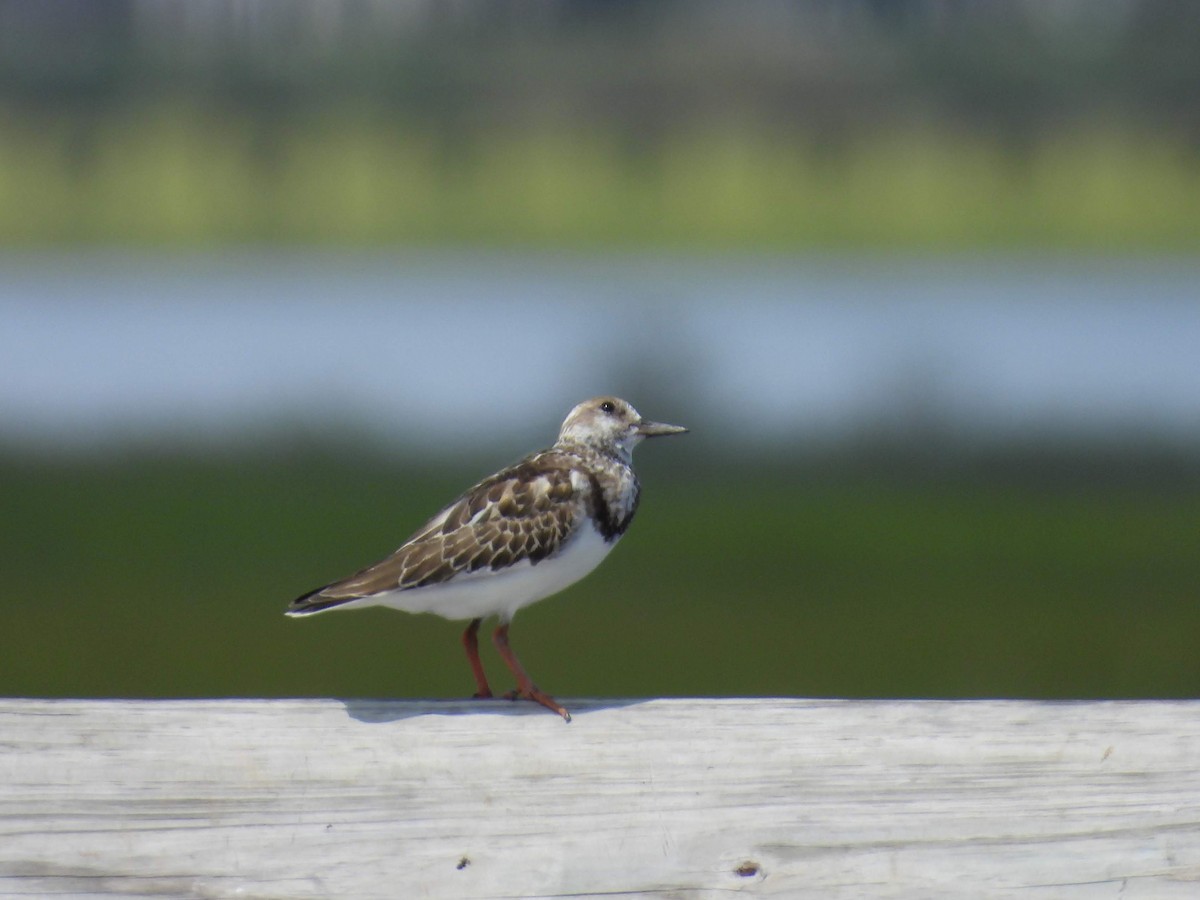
174	176
165	576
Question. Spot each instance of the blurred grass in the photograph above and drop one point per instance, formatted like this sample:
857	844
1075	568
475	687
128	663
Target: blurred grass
167	576
181	175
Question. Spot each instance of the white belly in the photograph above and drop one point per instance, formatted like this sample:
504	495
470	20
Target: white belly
484	593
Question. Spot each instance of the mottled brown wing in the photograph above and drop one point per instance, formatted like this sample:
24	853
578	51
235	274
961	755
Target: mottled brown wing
525	512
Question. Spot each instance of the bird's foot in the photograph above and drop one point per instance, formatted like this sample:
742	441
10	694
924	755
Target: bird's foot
534	693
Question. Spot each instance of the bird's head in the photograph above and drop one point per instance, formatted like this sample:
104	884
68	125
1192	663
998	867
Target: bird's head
610	423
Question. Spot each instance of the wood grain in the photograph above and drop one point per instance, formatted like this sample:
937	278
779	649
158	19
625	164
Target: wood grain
663	798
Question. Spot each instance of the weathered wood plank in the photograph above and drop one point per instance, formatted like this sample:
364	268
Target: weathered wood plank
669	798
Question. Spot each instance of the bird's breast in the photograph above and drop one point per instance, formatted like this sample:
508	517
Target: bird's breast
610	493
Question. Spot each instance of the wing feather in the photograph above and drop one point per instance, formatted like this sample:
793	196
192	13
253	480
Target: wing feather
525	512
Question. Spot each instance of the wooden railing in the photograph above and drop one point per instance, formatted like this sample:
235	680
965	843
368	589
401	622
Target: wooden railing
660	798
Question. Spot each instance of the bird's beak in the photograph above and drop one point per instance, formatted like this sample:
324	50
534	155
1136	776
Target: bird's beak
646	428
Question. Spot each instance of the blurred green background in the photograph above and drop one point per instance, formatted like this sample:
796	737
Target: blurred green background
277	281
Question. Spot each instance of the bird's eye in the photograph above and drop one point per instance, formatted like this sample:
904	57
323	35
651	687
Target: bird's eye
608	407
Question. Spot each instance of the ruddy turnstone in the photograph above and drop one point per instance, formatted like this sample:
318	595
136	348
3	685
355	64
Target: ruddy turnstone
517	537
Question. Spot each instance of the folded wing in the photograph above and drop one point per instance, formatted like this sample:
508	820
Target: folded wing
524	513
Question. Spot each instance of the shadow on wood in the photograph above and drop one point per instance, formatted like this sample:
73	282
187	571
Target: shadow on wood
668	798
376	711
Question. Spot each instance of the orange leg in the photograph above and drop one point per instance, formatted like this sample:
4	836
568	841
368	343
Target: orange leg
470	639
526	689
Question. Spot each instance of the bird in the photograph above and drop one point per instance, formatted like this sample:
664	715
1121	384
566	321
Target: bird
523	534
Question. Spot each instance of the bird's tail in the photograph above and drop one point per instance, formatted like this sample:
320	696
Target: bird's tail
314	602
